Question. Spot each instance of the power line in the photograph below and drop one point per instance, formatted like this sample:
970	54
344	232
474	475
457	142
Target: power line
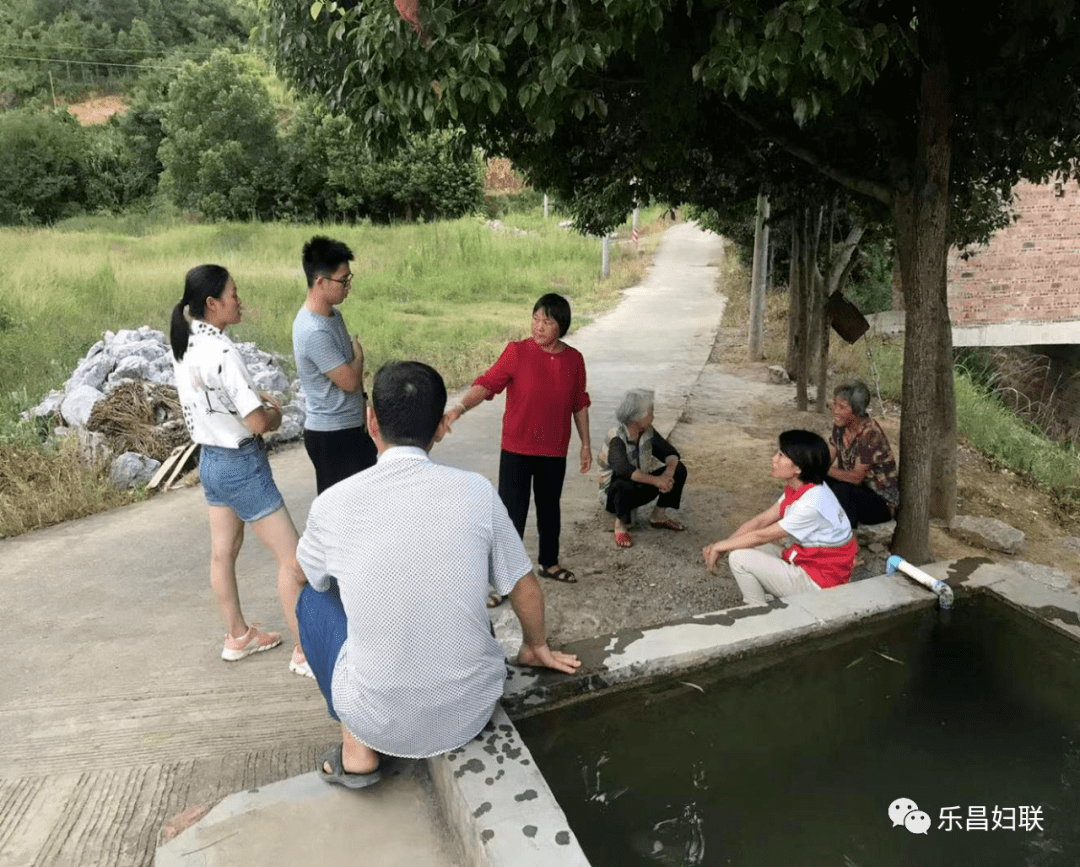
23	43
84	62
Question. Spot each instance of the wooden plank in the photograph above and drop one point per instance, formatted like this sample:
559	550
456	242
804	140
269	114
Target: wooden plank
166	465
180	464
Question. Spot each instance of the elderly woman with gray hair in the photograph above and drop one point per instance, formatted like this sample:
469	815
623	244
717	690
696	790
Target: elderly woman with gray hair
863	474
637	466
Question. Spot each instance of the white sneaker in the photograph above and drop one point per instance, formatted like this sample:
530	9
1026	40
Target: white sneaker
299	665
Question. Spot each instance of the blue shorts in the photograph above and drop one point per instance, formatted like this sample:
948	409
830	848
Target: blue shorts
240	479
323	626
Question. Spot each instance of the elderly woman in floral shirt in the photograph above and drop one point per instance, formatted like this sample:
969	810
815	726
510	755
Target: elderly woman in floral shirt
863	474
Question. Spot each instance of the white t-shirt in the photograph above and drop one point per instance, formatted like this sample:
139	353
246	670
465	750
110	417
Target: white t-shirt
215	389
817	519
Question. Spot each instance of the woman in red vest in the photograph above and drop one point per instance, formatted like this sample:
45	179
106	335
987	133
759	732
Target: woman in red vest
824	548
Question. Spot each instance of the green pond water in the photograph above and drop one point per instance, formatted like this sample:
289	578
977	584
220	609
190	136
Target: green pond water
795	759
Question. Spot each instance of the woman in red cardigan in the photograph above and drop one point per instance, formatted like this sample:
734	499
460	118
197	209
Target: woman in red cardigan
545	388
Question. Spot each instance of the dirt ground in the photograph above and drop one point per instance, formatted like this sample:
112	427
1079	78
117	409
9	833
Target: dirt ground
97	109
727	435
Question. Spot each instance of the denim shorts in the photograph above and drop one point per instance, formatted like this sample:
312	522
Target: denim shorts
240	479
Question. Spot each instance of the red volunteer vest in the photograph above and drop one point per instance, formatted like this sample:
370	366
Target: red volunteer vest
826	566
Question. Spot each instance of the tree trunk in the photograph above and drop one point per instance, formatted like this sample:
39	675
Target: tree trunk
897	287
802	360
791	363
821	294
943	459
756	341
823	345
814	310
921	214
845	260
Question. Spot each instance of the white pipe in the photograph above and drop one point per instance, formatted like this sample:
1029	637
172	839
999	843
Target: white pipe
943	590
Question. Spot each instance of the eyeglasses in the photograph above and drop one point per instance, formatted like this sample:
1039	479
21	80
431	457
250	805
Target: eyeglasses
346	282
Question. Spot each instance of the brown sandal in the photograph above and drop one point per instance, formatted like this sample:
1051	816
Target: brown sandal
667	524
560	574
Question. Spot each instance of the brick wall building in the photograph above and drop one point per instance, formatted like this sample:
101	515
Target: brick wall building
1024	287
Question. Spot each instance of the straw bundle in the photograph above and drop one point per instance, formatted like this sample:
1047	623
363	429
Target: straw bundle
143	417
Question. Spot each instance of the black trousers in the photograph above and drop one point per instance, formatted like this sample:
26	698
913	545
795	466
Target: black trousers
337	454
517	474
860	504
624	495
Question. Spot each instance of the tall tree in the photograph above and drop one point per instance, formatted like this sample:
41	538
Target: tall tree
924	108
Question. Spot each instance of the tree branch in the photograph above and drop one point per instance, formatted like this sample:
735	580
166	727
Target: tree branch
859	185
843	259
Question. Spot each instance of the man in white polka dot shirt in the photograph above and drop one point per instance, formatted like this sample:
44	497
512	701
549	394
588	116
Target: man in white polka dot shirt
399	559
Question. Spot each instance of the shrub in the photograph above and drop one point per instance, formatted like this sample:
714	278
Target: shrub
304	193
433	177
220	150
41	167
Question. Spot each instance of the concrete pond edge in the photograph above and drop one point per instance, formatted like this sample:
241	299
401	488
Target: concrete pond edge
496	801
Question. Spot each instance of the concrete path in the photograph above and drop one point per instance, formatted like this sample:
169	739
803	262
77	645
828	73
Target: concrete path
117	710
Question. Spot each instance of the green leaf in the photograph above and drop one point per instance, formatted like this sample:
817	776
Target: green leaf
742	83
316	8
577	54
799	107
493	102
530	33
560	58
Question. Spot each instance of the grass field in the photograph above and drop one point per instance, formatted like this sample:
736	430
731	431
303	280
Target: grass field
450	294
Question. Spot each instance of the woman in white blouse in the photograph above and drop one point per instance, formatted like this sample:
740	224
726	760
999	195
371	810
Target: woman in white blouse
227	416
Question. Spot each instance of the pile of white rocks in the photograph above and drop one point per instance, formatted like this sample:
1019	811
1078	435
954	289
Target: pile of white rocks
499	226
143	354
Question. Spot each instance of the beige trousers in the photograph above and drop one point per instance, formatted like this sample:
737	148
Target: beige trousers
761	570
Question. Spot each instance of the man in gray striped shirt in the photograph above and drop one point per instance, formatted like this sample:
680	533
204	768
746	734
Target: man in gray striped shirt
399	559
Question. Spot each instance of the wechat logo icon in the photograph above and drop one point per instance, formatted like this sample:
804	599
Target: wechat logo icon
904	811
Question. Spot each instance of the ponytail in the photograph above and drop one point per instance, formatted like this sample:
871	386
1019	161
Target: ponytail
201	282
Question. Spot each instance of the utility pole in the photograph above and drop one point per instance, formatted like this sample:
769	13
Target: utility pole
756	338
